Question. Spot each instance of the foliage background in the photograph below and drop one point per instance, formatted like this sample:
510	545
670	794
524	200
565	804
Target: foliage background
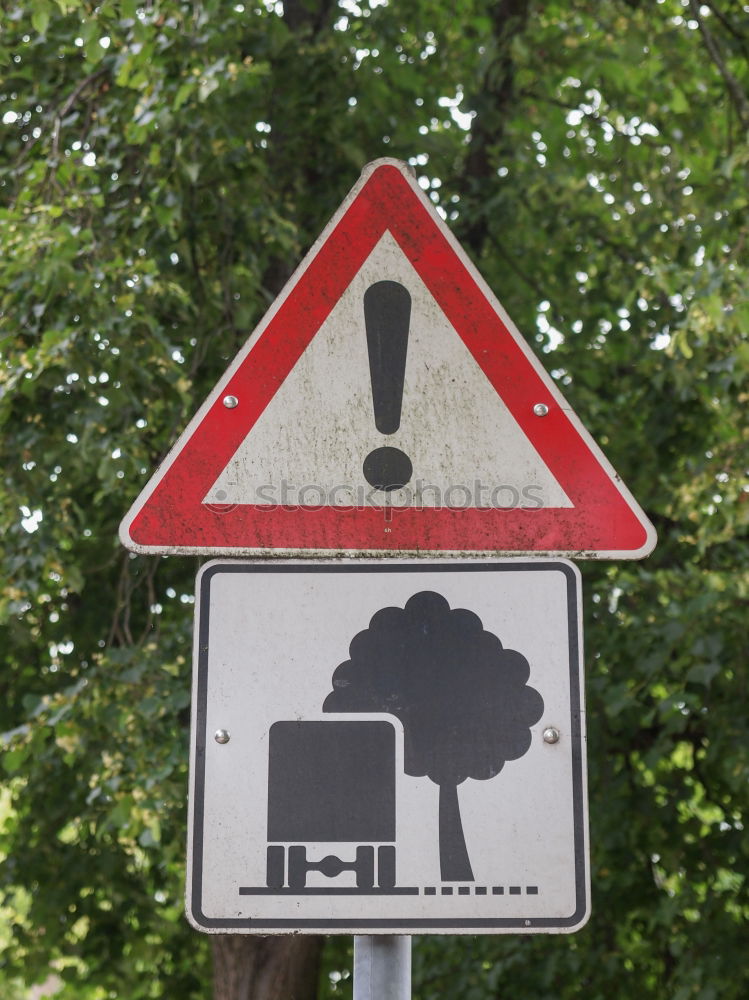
165	164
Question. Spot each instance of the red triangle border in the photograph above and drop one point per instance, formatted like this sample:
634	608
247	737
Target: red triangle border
169	516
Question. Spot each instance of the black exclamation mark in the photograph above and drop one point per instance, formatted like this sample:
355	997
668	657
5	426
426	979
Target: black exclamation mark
387	314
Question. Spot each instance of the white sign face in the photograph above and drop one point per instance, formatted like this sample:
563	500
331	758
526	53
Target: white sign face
388	747
454	427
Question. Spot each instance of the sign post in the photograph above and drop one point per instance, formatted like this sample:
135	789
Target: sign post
382	967
386	709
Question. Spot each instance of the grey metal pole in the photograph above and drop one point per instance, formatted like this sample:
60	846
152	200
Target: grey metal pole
382	967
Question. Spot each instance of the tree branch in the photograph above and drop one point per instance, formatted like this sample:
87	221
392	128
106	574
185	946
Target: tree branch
731	28
732	84
70	101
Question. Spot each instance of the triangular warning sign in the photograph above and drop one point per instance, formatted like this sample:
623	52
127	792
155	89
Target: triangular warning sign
387	404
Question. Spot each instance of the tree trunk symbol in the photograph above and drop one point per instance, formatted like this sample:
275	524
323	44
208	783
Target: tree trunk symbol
454	863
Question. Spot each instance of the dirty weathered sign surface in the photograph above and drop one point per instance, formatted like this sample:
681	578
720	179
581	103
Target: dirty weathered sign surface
386	403
383	747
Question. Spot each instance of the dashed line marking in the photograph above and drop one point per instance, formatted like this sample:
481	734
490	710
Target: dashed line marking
480	890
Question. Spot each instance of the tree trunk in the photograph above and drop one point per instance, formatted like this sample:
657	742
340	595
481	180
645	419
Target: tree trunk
454	863
494	103
265	968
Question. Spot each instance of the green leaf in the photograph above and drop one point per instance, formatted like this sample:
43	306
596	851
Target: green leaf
14	759
40	16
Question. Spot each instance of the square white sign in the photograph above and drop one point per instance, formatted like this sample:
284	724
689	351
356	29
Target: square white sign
388	747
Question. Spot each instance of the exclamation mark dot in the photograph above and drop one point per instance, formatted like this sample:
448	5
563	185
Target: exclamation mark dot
387	315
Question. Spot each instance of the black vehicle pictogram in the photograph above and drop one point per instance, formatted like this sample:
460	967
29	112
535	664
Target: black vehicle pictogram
331	782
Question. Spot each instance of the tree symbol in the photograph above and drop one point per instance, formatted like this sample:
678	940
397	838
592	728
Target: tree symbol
461	697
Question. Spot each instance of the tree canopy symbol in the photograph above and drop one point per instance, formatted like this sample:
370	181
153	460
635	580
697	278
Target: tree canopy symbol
462	698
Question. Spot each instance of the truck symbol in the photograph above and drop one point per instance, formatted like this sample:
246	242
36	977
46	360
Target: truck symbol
331	782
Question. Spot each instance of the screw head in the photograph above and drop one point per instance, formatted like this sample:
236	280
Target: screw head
230	402
551	734
221	736
540	409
